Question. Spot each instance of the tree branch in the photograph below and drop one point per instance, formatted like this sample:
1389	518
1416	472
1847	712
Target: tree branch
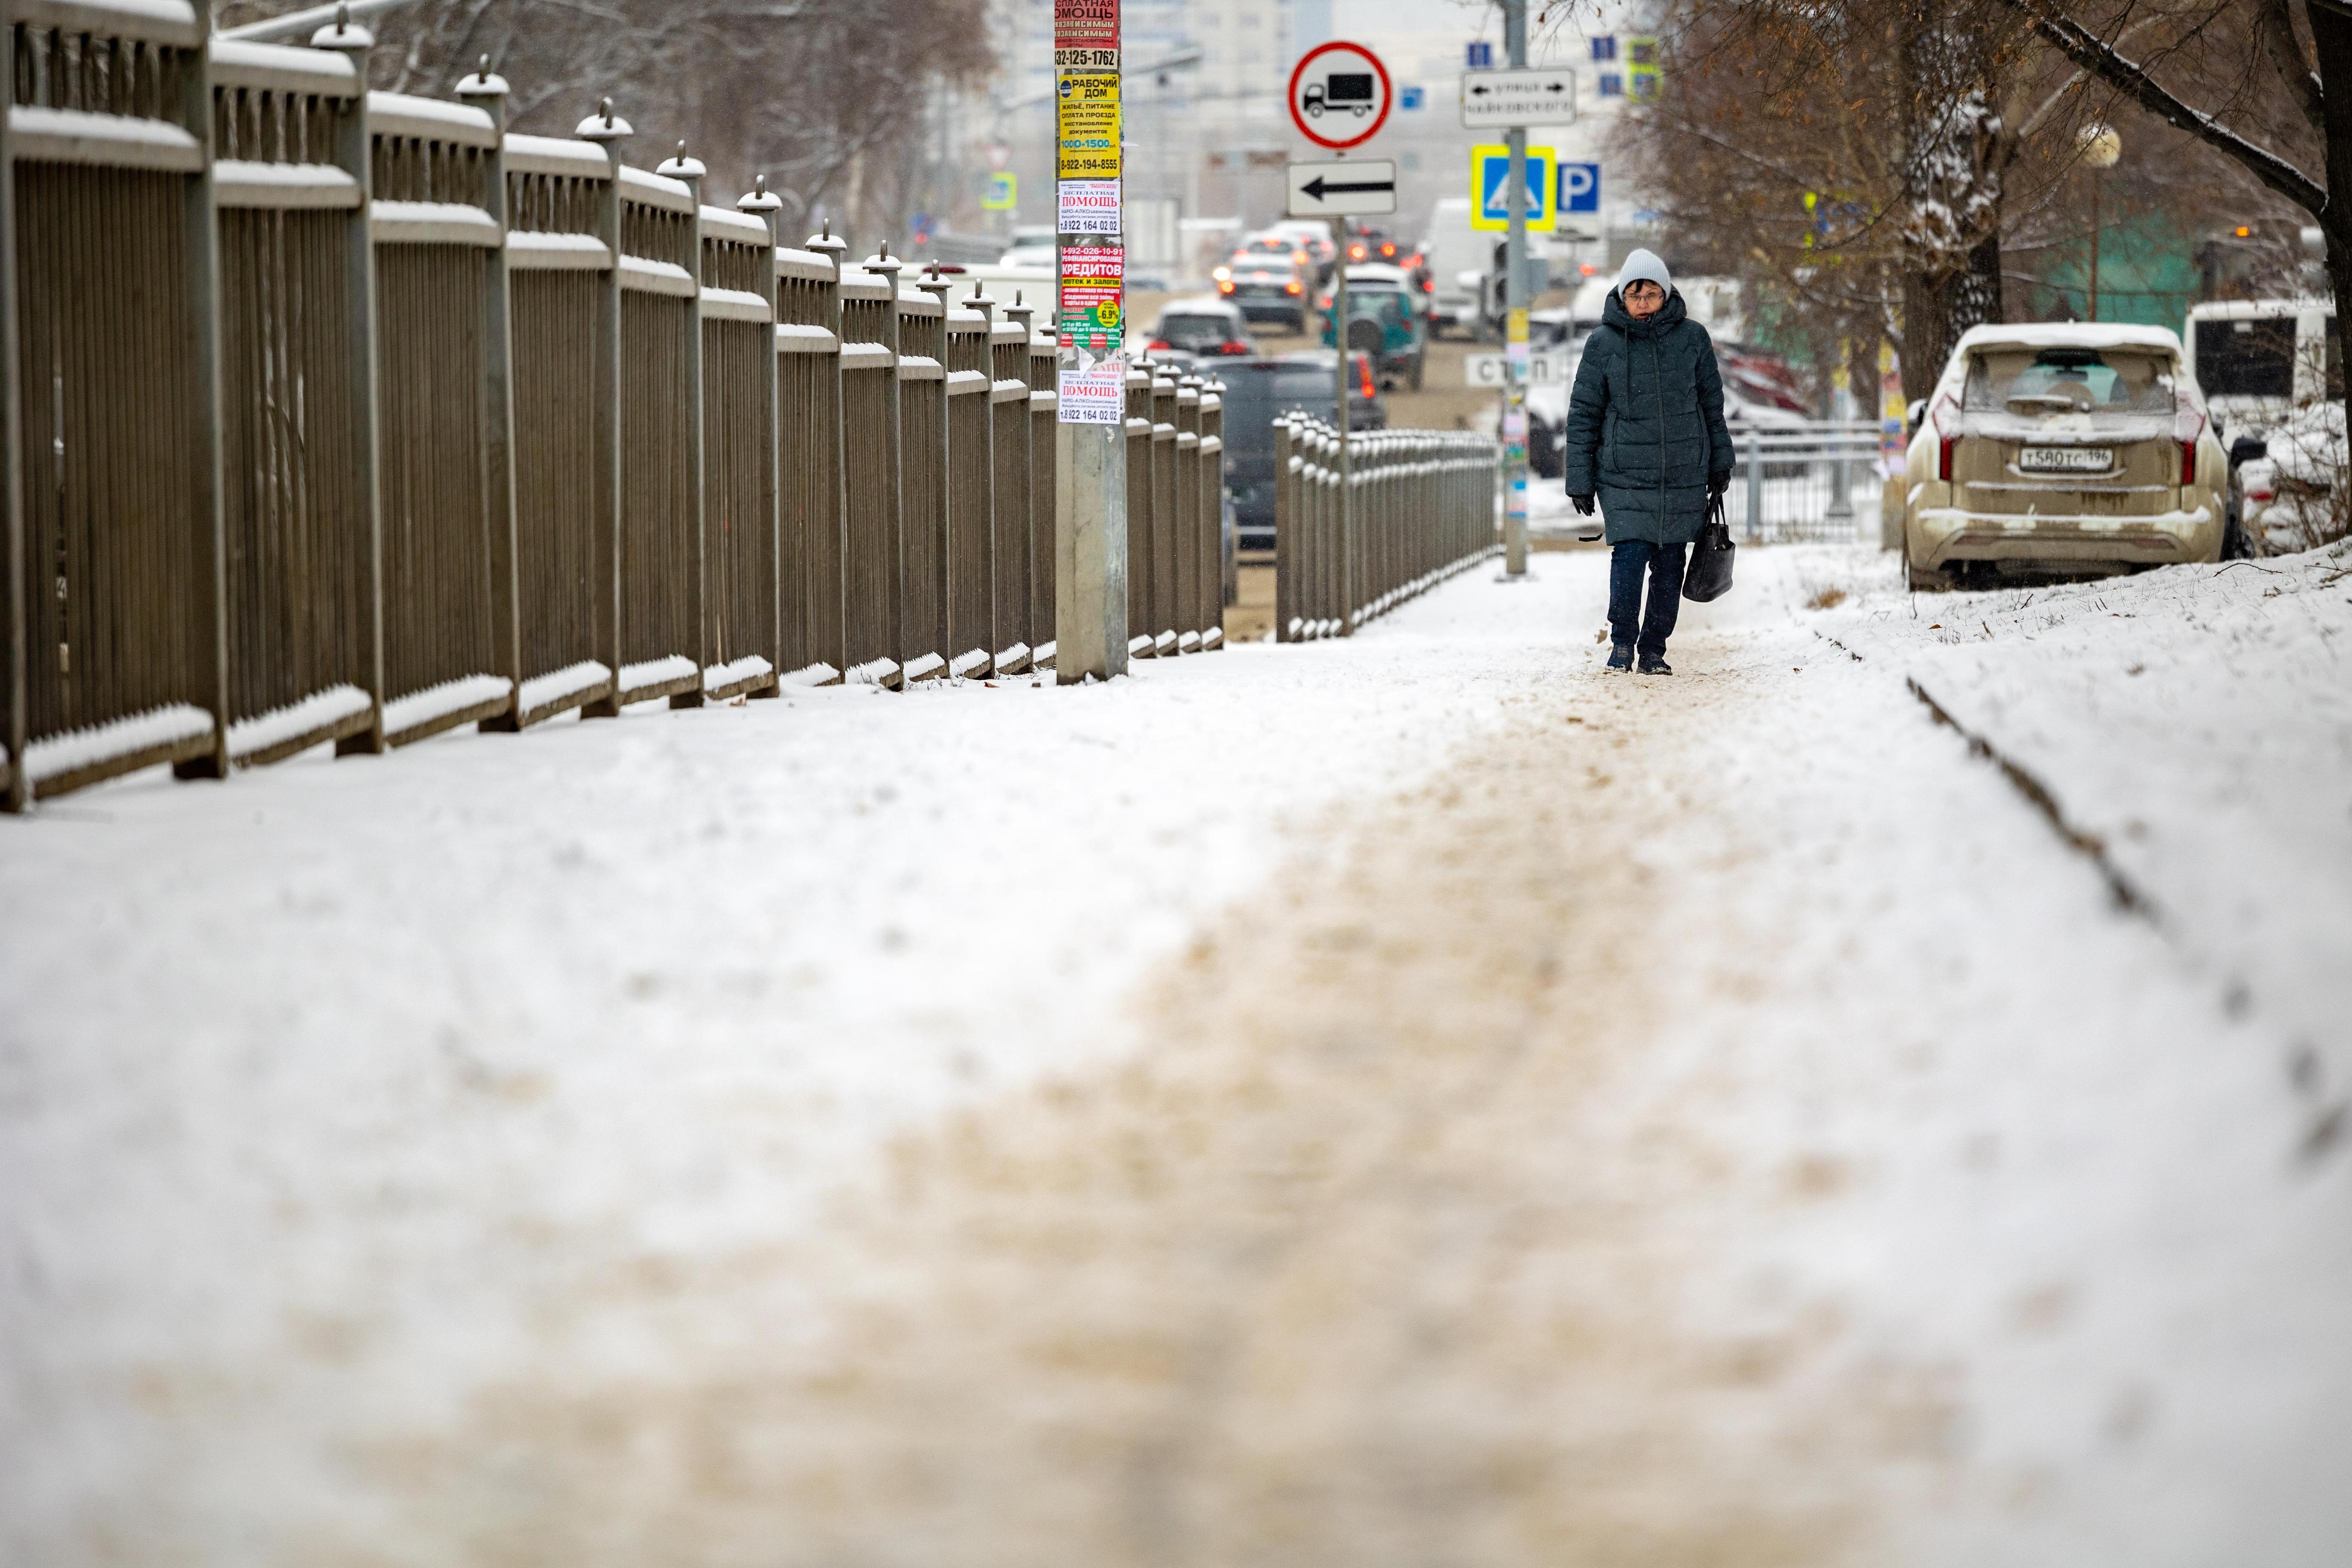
2088	51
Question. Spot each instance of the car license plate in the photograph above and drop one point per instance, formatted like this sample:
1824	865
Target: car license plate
2067	460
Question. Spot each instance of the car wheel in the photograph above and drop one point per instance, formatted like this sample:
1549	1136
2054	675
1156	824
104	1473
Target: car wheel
1927	579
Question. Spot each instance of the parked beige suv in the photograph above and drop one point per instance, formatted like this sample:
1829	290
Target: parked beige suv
2061	450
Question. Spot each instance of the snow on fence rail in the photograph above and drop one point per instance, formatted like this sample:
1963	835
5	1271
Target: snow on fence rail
1423	509
422	423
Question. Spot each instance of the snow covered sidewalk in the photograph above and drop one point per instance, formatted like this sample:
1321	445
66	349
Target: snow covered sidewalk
1418	1097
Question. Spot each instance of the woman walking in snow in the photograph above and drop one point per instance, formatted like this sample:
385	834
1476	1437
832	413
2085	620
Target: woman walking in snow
1645	438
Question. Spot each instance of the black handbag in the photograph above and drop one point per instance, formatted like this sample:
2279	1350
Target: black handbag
1708	576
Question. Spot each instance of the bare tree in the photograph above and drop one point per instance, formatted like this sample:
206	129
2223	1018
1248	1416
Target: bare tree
2267	84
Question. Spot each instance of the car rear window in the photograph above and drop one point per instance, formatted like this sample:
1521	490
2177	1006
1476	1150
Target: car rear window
1188	328
2041	383
2246	359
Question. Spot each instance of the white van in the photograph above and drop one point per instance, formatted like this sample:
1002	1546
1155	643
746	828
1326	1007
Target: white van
2258	361
1458	258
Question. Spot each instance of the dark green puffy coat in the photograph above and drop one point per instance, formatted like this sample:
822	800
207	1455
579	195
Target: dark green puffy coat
1645	423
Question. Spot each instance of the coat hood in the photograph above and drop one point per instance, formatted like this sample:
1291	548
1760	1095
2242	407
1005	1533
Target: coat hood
1669	314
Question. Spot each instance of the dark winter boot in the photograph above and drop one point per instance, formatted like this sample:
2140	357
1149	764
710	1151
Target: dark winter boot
1656	664
1622	657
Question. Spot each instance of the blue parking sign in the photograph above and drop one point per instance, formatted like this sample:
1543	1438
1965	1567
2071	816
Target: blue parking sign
1411	97
1579	187
1491	174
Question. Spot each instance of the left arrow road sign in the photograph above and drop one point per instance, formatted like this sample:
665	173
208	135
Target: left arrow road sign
1343	188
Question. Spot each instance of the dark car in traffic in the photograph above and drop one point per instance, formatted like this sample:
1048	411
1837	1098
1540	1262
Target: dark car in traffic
1259	391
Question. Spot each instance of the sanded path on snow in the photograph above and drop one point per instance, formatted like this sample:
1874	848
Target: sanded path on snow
1714	1123
1537	1117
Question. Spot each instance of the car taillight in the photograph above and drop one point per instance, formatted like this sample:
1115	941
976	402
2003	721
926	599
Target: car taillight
1158	343
1428	285
2187	425
1232	348
1298	255
1365	366
1224	285
2258	489
1388	251
1947	418
1291	287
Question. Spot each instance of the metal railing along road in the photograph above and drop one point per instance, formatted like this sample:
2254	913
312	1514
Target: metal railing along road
1799	481
1423	509
350	417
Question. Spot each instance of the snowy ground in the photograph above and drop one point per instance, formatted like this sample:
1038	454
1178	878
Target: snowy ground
783	1133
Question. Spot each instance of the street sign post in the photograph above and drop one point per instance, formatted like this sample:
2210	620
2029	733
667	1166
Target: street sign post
1339	98
1503	98
1340	95
1524	190
1343	188
1490	188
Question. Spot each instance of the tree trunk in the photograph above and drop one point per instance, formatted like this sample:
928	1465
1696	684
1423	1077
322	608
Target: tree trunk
2331	38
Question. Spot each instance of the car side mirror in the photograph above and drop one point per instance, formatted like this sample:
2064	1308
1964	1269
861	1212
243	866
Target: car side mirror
2248	449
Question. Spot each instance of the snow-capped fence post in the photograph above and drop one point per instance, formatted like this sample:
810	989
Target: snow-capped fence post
871	517
116	646
1140	643
1043	353
809	520
923	455
883	265
1286	530
1188	514
486	91
741	650
659	529
829	540
563	234
303	605
1216	557
1164	582
15	788
434	165
1008	412
970	488
600	203
1008	469
690	556
768	208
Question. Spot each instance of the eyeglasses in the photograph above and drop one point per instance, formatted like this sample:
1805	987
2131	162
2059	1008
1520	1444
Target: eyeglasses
1644	289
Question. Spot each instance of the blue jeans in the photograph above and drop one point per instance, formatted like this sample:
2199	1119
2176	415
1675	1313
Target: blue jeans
1628	559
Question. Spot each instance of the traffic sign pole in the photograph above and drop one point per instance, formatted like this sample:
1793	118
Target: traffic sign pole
1515	321
1347	489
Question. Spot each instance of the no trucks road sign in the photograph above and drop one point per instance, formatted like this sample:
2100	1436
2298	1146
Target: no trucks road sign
1340	95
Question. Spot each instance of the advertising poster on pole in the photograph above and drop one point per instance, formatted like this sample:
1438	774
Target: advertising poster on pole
1091	319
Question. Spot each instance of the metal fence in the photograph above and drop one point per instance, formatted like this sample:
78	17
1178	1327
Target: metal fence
1175	513
340	415
1799	481
1420	508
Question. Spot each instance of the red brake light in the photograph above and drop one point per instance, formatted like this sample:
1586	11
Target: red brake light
1389	250
1428	285
1291	287
1365	365
1944	456
2187	425
1156	344
1947	418
1297	255
1233	347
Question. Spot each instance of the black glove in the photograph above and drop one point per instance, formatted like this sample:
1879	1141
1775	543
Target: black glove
1719	481
1583	504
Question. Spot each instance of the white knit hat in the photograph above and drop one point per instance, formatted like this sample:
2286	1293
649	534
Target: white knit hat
1643	263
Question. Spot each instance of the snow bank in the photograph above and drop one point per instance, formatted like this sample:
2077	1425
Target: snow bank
2195	724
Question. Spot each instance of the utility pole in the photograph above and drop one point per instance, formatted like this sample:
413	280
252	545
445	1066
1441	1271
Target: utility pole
1515	319
1089	318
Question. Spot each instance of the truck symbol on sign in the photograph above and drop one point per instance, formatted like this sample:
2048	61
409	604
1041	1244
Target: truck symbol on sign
1350	90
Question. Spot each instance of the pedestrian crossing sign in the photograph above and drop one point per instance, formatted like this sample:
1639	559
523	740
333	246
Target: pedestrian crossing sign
1490	188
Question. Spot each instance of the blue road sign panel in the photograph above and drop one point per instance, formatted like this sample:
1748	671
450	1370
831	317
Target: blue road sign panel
1494	187
1411	98
1579	187
1482	57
